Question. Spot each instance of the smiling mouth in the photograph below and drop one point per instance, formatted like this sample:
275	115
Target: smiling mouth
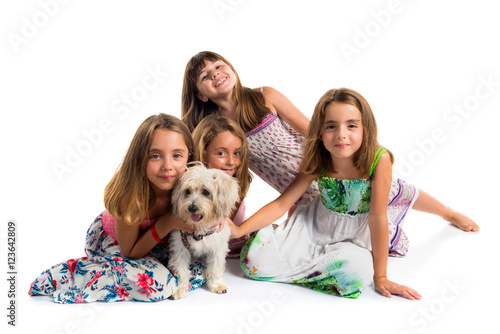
229	172
341	146
167	178
220	82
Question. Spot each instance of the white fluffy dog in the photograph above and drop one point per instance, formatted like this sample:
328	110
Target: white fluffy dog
204	197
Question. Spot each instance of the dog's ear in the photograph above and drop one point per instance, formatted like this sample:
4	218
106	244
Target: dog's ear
177	193
228	190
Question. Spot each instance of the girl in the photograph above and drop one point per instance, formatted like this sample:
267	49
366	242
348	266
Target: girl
221	144
340	242
274	127
122	262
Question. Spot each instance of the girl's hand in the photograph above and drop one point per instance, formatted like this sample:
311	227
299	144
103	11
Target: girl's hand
174	223
235	230
222	223
388	288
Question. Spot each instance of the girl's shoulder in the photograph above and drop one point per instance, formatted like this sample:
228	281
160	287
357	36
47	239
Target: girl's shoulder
263	90
268	92
259	90
269	96
309	177
382	163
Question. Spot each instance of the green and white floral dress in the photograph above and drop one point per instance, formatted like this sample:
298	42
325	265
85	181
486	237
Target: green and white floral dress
326	245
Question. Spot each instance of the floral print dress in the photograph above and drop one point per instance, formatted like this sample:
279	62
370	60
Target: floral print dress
106	275
326	245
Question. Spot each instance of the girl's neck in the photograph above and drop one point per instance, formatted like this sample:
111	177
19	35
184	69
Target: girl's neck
344	169
162	204
227	107
162	196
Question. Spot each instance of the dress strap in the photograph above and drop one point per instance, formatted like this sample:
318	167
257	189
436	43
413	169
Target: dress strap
323	171
261	90
377	156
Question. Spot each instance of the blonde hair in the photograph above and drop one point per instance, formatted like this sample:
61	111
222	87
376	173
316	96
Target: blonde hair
209	128
250	106
128	195
316	154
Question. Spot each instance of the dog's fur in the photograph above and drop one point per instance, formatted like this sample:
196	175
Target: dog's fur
204	197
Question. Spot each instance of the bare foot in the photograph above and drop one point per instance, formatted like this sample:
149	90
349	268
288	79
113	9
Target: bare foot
462	221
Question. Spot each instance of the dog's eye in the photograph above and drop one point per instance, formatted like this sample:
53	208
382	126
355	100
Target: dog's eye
205	192
188	192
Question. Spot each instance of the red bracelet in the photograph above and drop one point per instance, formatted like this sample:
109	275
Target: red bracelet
155	235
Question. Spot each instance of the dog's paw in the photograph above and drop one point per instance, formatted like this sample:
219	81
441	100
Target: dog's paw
220	288
179	294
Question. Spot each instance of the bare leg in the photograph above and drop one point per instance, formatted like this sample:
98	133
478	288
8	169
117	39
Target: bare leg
429	204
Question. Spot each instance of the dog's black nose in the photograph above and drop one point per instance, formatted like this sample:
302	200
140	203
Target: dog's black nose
193	208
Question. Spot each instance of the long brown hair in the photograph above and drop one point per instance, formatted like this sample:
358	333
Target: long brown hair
129	196
316	155
208	129
250	106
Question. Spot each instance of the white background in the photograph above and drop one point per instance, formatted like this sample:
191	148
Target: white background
68	67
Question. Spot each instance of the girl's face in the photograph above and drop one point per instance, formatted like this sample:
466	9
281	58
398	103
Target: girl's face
342	130
224	152
167	159
215	80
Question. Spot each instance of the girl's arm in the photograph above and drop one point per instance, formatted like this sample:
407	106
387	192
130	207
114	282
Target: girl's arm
274	210
379	230
286	110
134	244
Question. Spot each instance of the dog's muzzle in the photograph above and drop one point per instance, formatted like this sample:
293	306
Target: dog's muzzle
192	208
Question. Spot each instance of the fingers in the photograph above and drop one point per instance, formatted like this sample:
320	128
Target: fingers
408	293
222	224
175	223
413	294
187	228
385	292
395	289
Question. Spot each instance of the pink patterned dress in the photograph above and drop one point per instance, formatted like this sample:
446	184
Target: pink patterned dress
276	151
235	245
